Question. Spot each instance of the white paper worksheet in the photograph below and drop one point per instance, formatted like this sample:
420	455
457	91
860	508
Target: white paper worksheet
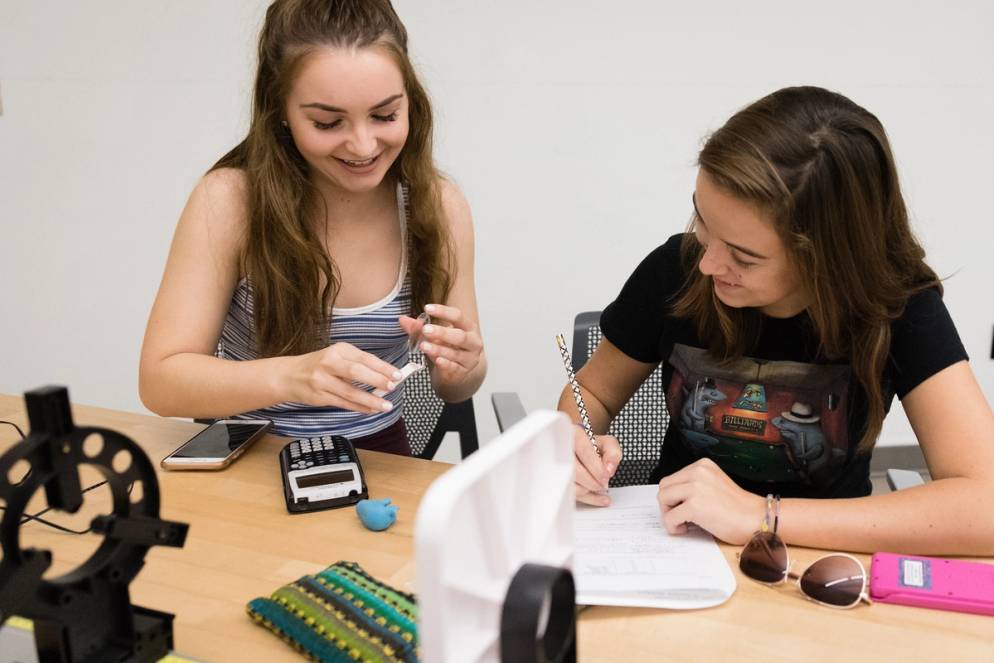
624	556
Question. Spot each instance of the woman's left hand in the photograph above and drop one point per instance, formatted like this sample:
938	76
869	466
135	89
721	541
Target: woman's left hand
451	341
703	494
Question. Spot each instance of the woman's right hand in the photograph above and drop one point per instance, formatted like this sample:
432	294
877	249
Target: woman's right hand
593	471
329	377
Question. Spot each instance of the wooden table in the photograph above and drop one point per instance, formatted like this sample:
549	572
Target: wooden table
243	544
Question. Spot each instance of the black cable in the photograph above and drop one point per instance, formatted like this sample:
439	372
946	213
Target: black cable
16	427
27	517
36	516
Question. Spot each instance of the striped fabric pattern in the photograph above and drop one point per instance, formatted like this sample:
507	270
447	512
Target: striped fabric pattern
373	328
342	614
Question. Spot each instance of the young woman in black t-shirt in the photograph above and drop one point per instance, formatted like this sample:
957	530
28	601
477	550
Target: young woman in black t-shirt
786	322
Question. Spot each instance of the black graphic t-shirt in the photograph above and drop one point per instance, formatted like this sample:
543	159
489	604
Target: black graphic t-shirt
781	419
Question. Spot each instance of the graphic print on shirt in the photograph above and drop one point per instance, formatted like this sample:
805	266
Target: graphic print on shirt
761	420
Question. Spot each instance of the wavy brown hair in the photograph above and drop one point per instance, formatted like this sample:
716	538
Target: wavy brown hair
294	280
821	168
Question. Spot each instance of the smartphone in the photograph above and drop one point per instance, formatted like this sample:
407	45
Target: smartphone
932	582
218	445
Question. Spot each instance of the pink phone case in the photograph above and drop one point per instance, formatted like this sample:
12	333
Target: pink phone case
931	582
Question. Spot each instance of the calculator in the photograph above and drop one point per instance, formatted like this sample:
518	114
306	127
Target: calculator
321	473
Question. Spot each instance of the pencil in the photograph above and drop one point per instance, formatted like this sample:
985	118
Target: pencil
577	396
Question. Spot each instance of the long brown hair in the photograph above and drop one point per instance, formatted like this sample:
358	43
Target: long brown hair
821	168
294	280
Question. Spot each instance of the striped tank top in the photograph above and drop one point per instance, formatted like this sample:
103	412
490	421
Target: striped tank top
372	328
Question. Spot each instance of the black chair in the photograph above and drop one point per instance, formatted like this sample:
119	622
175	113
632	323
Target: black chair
639	427
428	418
641	424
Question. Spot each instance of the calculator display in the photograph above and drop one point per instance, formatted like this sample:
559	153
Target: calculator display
324	479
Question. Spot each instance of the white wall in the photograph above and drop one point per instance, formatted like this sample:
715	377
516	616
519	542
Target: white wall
571	126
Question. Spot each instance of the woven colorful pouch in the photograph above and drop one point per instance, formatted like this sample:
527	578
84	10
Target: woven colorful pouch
342	615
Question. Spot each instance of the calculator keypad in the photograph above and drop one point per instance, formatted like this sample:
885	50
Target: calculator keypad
312	451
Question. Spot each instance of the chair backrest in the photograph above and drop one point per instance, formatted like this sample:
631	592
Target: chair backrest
641	424
428	418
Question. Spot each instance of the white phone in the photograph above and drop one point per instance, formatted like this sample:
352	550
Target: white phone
218	445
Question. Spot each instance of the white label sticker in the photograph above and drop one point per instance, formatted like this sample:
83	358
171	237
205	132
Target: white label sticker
410	368
913	572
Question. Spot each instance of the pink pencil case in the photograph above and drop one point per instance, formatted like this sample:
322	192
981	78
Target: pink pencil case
932	582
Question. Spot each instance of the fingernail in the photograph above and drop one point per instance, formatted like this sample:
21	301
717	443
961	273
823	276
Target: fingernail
429	329
430	308
387	406
391	386
427	347
609	467
397	375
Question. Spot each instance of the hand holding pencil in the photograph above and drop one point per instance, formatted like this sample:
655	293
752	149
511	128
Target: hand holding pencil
597	456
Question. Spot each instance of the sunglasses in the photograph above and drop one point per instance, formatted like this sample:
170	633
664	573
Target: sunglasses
837	580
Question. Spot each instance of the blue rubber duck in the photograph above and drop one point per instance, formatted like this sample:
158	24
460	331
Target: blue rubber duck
377	515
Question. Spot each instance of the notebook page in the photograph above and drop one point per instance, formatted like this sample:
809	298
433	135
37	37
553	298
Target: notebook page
625	557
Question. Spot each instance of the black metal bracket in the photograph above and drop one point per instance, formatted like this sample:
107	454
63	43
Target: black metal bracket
85	615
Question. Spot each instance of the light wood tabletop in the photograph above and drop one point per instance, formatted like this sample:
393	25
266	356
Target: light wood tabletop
242	544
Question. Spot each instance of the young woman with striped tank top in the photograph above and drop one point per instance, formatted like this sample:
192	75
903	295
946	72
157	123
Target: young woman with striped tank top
303	254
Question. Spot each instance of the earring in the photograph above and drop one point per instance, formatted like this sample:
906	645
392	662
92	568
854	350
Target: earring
285	124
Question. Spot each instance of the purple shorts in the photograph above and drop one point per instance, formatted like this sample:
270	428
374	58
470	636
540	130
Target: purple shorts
391	440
